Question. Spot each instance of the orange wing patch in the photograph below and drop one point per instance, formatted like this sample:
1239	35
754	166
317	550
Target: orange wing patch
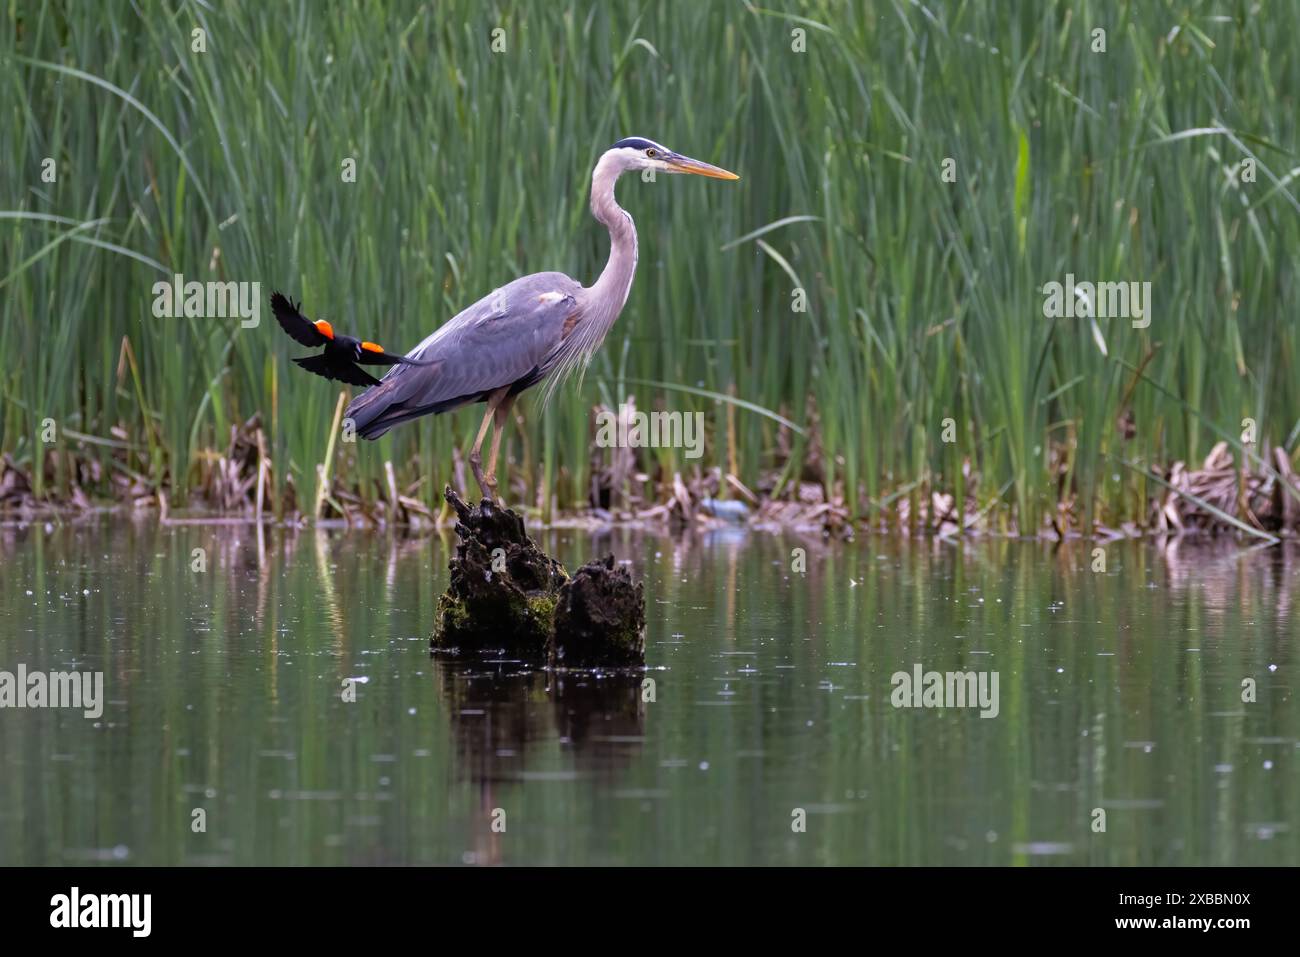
324	328
372	347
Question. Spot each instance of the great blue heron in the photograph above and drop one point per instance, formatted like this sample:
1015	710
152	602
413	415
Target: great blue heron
540	327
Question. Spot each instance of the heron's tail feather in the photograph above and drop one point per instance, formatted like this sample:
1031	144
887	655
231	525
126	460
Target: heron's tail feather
367	411
381	407
378	409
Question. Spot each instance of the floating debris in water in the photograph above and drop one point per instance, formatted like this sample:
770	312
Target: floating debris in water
1267	830
730	510
1043	848
118	853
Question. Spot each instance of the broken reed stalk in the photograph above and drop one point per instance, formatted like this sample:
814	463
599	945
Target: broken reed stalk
323	470
390	478
261	475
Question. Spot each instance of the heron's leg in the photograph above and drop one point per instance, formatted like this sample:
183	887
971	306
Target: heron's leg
475	458
502	415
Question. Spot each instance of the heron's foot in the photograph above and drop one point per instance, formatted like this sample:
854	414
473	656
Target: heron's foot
490	480
476	466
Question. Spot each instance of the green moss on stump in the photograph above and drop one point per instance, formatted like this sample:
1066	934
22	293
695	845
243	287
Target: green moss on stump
506	595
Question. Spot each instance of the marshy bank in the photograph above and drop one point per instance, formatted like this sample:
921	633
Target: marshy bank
1259	499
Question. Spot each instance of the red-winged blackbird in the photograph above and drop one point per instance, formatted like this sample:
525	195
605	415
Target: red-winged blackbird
343	355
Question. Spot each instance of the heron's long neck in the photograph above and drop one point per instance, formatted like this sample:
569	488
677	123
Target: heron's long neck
609	292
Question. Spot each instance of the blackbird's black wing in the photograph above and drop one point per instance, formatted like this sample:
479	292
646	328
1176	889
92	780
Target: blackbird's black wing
292	321
337	369
303	330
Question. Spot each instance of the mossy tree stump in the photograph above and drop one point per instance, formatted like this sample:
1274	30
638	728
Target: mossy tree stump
507	595
599	618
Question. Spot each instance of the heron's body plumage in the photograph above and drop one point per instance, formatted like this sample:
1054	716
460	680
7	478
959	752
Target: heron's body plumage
507	338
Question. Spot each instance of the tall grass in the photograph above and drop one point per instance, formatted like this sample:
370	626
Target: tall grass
924	298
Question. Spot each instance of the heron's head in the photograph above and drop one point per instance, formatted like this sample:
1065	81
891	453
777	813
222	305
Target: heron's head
635	152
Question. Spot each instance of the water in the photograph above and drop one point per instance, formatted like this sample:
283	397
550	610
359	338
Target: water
224	676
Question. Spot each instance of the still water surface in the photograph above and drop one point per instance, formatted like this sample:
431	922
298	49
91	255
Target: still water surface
1120	690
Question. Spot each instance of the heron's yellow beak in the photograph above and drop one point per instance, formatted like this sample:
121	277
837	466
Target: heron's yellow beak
684	164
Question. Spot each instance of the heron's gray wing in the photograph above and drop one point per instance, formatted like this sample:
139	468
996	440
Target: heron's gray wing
501	339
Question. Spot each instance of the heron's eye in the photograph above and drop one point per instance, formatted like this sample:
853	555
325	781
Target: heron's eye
652	152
